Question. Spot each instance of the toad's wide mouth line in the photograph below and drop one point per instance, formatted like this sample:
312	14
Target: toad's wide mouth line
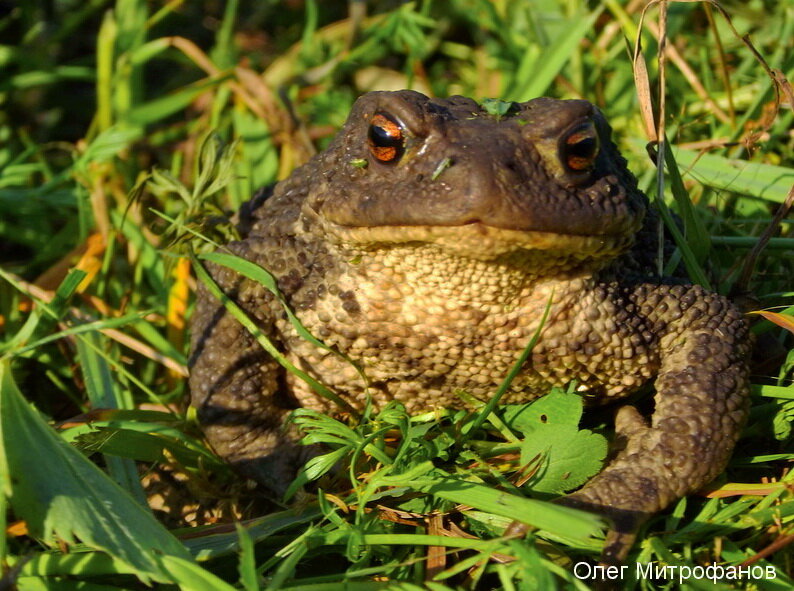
476	238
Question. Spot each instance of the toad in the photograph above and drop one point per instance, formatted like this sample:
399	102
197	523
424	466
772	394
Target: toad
425	244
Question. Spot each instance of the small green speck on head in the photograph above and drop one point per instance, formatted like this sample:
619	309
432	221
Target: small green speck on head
497	107
442	166
356	260
359	162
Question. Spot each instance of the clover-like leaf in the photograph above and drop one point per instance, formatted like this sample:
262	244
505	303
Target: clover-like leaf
556	408
566	457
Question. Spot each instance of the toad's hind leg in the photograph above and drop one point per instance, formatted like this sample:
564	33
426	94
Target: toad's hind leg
701	405
236	386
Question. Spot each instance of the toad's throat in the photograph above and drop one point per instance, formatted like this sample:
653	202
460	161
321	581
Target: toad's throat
480	241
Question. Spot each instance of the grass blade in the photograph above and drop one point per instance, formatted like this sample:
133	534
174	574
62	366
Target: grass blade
551	60
83	502
548	517
756	179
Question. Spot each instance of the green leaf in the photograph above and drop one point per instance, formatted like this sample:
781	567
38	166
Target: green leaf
99	384
62	494
681	196
54	309
162	107
259	165
107	144
190	576
552	518
135	438
314	469
545	64
497	108
149	258
82	563
786	392
556	408
566	457
247	566
57	74
122	443
63	295
140	55
163	182
221	542
697	235
138	445
104	393
764	181
5	483
569	457
86	327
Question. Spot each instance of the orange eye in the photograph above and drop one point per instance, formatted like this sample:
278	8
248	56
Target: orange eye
579	148
386	139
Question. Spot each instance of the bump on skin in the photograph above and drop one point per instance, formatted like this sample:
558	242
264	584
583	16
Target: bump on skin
369	261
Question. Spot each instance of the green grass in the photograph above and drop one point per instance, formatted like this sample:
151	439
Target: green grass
110	111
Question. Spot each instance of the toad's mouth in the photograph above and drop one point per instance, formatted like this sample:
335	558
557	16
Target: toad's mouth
480	241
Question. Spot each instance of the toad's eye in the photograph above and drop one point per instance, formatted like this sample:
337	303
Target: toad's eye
579	148
386	139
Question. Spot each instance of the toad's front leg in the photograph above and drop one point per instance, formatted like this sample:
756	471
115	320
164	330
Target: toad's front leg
236	386
701	405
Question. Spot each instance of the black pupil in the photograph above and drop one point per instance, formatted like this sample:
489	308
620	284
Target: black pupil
380	137
584	148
